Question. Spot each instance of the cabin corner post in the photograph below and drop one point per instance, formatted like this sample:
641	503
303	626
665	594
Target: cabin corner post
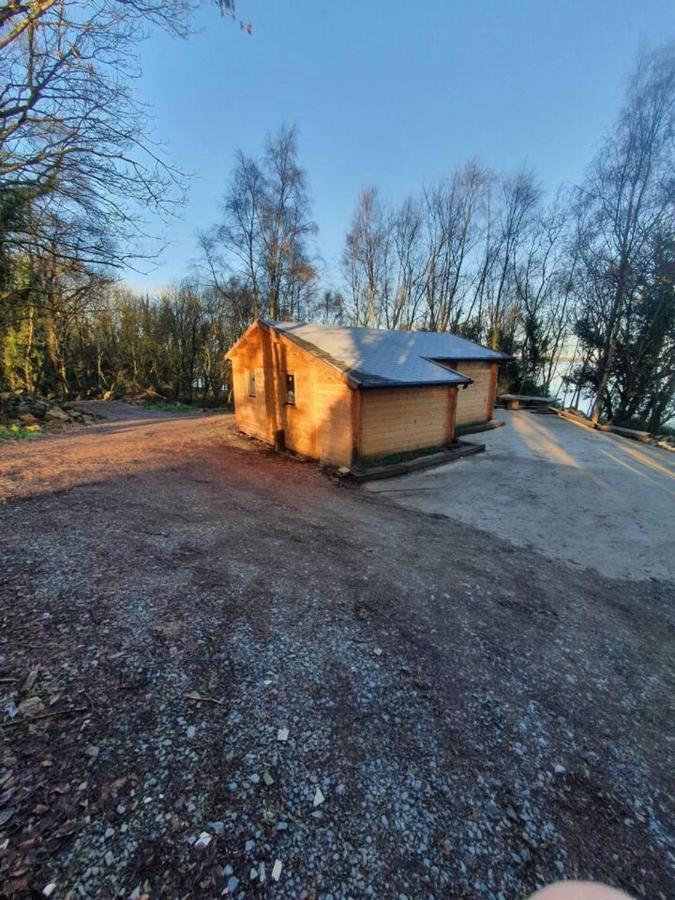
492	392
269	377
356	424
451	416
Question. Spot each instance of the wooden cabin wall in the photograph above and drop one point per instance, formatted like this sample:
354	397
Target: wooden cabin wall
475	403
396	420
319	424
250	413
332	422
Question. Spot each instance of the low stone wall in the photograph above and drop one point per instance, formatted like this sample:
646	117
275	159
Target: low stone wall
22	408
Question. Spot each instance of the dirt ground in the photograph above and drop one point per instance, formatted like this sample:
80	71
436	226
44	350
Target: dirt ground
595	500
465	718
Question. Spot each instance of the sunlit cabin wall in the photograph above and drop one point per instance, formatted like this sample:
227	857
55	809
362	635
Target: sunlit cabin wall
250	413
396	420
335	423
475	403
318	424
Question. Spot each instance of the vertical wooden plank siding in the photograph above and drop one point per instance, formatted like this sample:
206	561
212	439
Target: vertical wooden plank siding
451	415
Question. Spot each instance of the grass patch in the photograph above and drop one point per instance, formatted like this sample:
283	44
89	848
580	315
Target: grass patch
393	458
170	406
19	432
175	406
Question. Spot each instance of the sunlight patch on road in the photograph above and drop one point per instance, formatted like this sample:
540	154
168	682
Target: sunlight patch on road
539	441
646	460
636	471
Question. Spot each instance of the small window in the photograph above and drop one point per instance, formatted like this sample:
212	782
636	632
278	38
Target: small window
251	384
290	389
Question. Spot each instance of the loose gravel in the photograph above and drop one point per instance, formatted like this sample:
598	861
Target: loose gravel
255	682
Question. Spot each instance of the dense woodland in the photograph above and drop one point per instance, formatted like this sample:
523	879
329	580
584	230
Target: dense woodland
579	287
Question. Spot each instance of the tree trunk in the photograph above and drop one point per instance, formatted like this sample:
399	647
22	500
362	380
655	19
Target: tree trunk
28	363
610	348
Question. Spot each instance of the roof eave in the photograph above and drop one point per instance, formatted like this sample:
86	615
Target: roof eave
233	349
456	382
495	356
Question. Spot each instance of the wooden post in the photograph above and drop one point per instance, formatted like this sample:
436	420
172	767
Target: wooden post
492	392
356	424
272	425
451	415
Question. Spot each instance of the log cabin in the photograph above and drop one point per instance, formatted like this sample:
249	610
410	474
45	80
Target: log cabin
341	395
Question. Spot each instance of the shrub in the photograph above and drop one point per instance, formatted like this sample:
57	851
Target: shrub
20	432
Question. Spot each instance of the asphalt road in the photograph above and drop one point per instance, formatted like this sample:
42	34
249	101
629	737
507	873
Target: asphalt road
593	499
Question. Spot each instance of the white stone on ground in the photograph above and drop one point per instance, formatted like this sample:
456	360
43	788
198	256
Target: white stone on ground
203	841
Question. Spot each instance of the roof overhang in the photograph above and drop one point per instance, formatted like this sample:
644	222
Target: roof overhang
233	349
498	356
363	380
366	386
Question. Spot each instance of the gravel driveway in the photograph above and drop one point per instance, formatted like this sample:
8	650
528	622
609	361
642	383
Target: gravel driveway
218	666
595	500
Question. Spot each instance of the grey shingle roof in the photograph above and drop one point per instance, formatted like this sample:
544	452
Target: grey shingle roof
374	358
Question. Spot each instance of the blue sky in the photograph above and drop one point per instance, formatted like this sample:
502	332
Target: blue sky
390	93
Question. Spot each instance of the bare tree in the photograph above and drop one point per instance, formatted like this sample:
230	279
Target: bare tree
367	258
286	226
330	308
73	136
518	198
444	261
234	247
263	238
408	266
627	197
454	211
544	272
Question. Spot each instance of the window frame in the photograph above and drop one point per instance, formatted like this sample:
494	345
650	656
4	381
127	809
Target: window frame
252	383
291	395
